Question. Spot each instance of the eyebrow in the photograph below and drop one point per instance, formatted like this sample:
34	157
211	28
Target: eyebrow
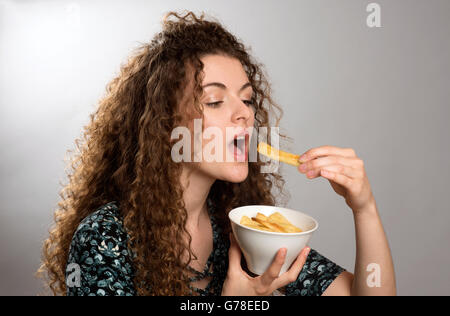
222	86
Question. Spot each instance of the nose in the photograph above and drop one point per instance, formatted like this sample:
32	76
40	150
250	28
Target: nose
241	112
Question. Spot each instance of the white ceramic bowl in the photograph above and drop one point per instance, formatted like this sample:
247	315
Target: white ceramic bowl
260	247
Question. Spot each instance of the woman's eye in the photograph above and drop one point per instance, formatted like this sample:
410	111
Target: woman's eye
214	104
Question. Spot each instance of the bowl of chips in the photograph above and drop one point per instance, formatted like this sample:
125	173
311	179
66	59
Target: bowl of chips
262	230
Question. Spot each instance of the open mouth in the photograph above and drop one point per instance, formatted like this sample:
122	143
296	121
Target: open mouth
239	147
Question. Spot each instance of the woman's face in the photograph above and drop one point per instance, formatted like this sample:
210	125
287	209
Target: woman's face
228	115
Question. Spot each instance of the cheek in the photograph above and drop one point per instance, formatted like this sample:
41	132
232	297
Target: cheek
214	119
252	117
217	126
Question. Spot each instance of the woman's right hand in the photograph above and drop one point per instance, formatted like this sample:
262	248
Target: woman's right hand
239	283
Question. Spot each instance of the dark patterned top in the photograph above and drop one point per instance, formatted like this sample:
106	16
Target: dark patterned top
100	262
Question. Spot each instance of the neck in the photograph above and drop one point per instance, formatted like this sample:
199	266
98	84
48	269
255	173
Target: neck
196	185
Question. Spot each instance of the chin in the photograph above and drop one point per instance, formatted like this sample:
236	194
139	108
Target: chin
235	173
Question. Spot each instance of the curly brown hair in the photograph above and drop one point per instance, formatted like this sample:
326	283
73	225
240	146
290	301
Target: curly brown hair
127	143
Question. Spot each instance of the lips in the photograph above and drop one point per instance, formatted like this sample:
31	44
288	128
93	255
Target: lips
239	146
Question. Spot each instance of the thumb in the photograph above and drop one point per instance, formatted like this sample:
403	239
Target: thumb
234	255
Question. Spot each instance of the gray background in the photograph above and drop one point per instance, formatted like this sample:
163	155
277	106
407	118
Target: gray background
382	91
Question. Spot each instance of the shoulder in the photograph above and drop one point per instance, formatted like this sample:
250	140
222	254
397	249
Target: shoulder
105	219
102	229
99	248
102	226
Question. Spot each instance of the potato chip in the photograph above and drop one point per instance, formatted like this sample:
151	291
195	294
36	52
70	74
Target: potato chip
283	222
246	221
274	223
277	217
279	155
262	217
270	225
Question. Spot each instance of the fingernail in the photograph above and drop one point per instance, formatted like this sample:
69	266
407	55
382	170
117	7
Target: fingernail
303	158
307	251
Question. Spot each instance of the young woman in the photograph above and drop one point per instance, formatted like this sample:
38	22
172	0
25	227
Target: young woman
133	221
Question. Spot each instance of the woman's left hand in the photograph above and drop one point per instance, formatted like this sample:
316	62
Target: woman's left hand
343	169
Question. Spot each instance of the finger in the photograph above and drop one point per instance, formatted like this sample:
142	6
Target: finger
234	256
274	270
326	151
292	274
330	160
336	177
344	170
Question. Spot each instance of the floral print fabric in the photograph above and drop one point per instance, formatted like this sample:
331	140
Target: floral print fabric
100	255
